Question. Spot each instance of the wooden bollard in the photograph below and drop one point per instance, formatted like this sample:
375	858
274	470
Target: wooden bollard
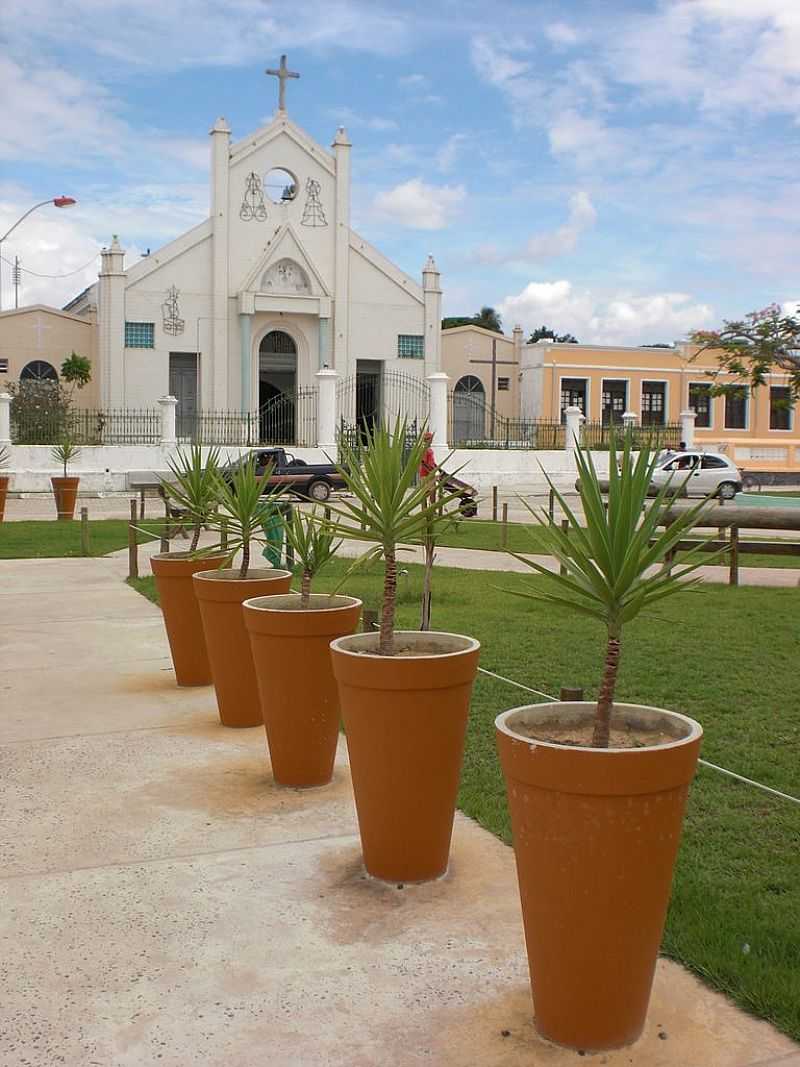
85	546
133	544
570	694
223	534
369	620
733	577
551	504
494	503
504	528
565	527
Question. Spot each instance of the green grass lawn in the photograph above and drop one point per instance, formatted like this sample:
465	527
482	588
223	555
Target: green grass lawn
49	538
727	657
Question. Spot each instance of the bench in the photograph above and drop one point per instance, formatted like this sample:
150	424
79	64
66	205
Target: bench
144	482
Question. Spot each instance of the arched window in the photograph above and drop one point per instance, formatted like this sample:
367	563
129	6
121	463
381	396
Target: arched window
469	410
38	371
285	276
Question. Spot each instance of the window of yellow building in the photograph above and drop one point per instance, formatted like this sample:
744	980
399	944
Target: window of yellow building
780	407
654	395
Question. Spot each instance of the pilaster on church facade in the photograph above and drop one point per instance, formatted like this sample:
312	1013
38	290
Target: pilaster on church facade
242	312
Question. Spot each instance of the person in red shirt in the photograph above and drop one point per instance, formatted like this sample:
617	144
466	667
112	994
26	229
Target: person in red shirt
427	464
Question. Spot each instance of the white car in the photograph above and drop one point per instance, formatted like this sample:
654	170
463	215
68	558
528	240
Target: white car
694	473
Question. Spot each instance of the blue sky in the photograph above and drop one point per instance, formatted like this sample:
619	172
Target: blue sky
626	171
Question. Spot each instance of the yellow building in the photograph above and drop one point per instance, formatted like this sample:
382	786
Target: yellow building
484	371
35	341
755	427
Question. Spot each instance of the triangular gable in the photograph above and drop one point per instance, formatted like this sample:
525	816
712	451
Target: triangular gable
386	267
286	245
252	143
147	264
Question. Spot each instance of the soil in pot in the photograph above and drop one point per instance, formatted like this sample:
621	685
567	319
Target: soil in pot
405	718
220	595
4	482
299	698
65	491
596	833
173	573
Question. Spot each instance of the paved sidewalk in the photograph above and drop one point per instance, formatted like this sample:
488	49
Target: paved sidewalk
163	902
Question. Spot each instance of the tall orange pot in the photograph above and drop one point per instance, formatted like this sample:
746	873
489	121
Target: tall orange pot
299	699
4	481
173	574
405	718
65	491
220	595
596	833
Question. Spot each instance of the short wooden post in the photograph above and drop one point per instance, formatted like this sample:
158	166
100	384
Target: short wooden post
494	503
327	514
133	544
167	524
369	620
570	693
504	528
141	505
551	504
223	534
85	547
289	546
734	557
565	528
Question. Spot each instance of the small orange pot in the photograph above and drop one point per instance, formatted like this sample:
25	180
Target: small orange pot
299	699
65	490
220	595
4	482
173	574
405	719
596	833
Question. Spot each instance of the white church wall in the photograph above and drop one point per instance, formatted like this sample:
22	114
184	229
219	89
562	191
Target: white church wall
380	310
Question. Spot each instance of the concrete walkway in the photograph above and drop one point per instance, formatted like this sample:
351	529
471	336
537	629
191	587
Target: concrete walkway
163	903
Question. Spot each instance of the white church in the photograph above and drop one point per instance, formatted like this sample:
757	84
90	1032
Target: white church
271	301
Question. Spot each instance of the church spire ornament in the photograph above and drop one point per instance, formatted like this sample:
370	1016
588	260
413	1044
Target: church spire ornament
313	215
282	73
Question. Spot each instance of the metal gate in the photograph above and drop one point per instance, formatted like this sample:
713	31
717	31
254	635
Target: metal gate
378	399
289	419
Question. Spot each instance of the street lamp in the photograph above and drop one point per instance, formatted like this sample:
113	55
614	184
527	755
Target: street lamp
56	201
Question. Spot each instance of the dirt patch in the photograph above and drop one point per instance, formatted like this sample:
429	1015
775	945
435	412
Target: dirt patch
580	735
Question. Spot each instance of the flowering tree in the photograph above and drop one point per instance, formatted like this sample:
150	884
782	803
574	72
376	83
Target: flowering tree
753	347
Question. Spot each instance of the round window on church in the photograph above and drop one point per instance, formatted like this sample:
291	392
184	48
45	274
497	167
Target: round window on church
280	186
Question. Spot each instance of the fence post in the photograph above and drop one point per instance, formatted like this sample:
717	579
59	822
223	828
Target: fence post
565	527
733	578
628	421
326	407
551	504
133	544
168	404
437	410
85	546
504	528
572	435
687	428
5	419
570	693
494	503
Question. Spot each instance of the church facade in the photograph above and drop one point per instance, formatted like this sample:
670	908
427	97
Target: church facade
243	312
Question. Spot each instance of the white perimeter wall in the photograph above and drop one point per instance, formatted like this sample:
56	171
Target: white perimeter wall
105	468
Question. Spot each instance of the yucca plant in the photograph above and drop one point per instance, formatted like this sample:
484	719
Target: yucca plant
65	452
605	562
312	540
388	508
194	487
5	457
243	509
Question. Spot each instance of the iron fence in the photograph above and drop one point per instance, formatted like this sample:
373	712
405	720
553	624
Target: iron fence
31	425
286	419
597	436
472	423
378	397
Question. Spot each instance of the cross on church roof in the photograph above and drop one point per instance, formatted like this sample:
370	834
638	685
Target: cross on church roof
282	73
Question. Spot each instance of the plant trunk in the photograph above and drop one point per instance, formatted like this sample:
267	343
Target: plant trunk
605	698
386	645
305	589
245	558
196	537
430	549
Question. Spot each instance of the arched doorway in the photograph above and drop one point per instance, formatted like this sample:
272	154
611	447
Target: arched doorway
277	387
469	410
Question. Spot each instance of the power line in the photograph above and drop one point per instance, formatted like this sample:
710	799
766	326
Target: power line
69	274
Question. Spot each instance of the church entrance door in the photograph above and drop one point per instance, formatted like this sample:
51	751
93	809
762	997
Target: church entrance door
277	388
368	393
183	386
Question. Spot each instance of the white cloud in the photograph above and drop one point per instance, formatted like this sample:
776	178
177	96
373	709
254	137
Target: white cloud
557	242
621	318
561	33
414	81
448	154
420	206
345	116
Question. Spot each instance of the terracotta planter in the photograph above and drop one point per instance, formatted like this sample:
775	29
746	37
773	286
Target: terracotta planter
405	719
4	482
220	595
596	833
65	490
173	574
299	699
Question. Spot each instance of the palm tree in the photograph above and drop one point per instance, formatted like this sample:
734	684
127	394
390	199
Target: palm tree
489	319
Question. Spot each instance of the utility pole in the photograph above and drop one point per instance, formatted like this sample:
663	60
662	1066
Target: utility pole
16	278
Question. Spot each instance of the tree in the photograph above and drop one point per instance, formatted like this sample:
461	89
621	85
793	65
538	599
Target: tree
487	318
658	344
751	348
544	333
76	371
457	320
